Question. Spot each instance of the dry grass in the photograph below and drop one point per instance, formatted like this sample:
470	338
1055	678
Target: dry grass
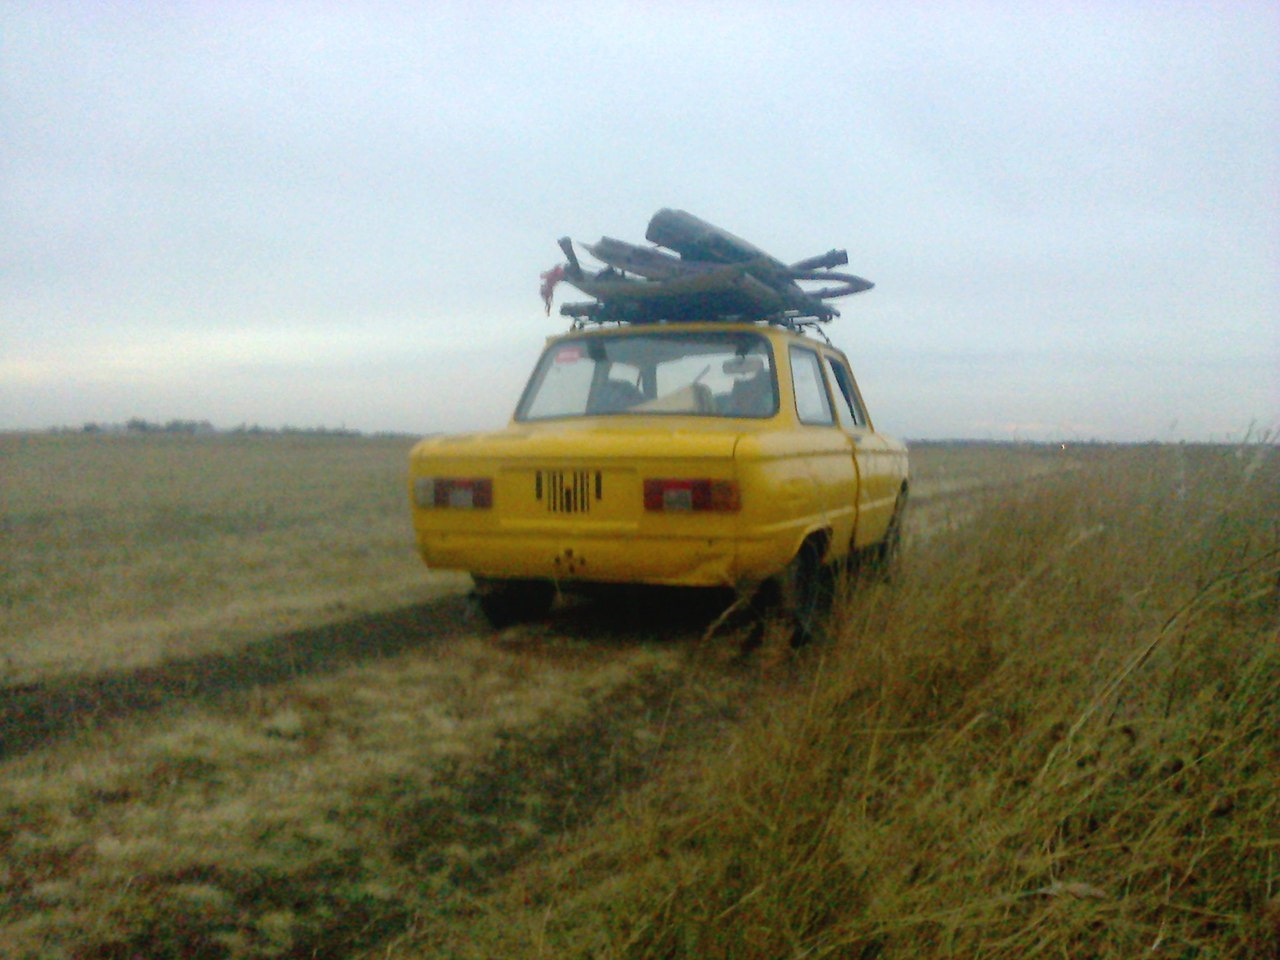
121	551
317	818
189	770
1055	734
939	468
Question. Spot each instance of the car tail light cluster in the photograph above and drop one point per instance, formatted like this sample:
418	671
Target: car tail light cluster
680	495
464	493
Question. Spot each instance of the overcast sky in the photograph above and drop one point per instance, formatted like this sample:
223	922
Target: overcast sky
336	213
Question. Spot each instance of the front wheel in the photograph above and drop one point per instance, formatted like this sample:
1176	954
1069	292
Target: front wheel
505	602
884	555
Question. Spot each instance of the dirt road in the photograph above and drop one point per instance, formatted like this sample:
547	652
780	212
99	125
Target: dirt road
310	790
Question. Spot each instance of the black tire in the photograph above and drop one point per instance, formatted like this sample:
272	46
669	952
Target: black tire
805	589
505	602
884	555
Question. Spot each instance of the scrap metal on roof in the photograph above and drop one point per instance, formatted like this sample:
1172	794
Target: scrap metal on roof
712	275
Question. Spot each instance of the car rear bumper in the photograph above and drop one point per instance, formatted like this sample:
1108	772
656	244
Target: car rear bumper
666	561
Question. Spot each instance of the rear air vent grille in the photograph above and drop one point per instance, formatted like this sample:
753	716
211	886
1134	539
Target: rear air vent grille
568	491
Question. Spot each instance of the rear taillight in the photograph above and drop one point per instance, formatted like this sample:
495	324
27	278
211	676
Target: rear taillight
675	495
463	493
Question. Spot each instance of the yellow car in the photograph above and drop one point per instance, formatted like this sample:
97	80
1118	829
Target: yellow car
722	453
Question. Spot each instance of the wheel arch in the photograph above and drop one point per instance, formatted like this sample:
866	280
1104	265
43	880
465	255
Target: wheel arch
819	540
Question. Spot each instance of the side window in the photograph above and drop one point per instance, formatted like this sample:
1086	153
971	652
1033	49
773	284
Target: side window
812	403
851	411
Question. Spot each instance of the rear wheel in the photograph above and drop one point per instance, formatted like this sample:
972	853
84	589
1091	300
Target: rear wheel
505	602
805	589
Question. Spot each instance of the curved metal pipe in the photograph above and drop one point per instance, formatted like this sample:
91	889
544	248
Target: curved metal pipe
848	283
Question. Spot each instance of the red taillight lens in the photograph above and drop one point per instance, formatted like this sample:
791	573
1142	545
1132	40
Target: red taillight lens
464	493
672	495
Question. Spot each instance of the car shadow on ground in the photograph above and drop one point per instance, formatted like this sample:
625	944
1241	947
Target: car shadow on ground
34	714
625	616
702	623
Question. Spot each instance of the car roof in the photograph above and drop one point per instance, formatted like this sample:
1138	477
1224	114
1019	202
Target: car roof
772	331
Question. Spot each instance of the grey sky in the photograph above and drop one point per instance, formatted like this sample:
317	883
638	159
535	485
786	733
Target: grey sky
337	213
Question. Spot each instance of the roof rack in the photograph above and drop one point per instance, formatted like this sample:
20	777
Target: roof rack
716	276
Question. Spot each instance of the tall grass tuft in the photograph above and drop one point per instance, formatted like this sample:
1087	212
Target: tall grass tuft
1056	732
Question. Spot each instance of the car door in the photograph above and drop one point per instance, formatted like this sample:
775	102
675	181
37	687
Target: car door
824	448
872	455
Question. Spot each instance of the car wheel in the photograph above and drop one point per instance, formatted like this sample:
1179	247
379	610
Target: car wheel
505	602
805	590
884	555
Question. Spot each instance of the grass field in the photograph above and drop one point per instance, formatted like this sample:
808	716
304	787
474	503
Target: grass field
123	551
260	730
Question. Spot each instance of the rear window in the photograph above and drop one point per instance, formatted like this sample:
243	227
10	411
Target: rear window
646	374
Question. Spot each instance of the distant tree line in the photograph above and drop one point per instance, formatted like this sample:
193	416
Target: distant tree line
292	431
204	427
139	425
